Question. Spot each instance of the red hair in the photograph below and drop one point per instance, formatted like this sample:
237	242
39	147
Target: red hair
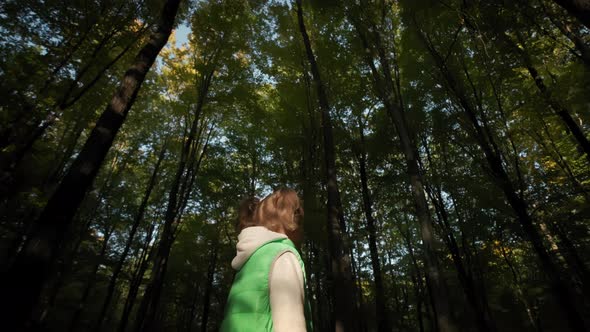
281	209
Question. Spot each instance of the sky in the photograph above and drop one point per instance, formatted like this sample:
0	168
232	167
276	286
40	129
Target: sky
182	34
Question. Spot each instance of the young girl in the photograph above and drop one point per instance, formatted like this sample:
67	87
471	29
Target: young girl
268	293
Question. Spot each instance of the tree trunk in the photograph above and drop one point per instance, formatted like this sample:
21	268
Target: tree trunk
578	8
361	323
559	109
209	285
381	312
22	284
418	276
136	222
142	266
56	174
386	91
149	304
90	284
532	316
341	274
483	317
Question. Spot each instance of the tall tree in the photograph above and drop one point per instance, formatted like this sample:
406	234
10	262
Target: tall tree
22	284
388	90
134	227
494	157
341	274
383	323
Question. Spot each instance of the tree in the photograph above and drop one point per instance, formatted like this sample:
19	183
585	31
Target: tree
343	286
388	90
577	8
24	280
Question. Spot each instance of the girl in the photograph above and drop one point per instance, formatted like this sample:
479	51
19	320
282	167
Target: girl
268	292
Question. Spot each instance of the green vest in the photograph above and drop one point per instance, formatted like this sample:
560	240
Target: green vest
248	304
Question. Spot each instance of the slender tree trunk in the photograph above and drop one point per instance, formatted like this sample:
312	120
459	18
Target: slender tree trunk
361	323
341	274
559	109
574	37
483	317
149	305
209	285
144	260
90	284
386	91
22	284
418	295
136	222
578	8
580	275
502	181
381	312
193	307
57	172
560	160
407	237
517	284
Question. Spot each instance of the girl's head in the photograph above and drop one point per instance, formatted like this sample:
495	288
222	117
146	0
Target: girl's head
280	212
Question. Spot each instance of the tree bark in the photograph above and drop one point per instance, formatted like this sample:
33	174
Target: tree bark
577	8
341	274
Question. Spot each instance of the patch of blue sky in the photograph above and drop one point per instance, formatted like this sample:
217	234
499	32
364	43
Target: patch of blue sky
182	32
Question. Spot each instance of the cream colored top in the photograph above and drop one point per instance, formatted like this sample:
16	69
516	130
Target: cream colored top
285	279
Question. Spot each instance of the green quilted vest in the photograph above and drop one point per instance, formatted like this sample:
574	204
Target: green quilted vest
248	304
